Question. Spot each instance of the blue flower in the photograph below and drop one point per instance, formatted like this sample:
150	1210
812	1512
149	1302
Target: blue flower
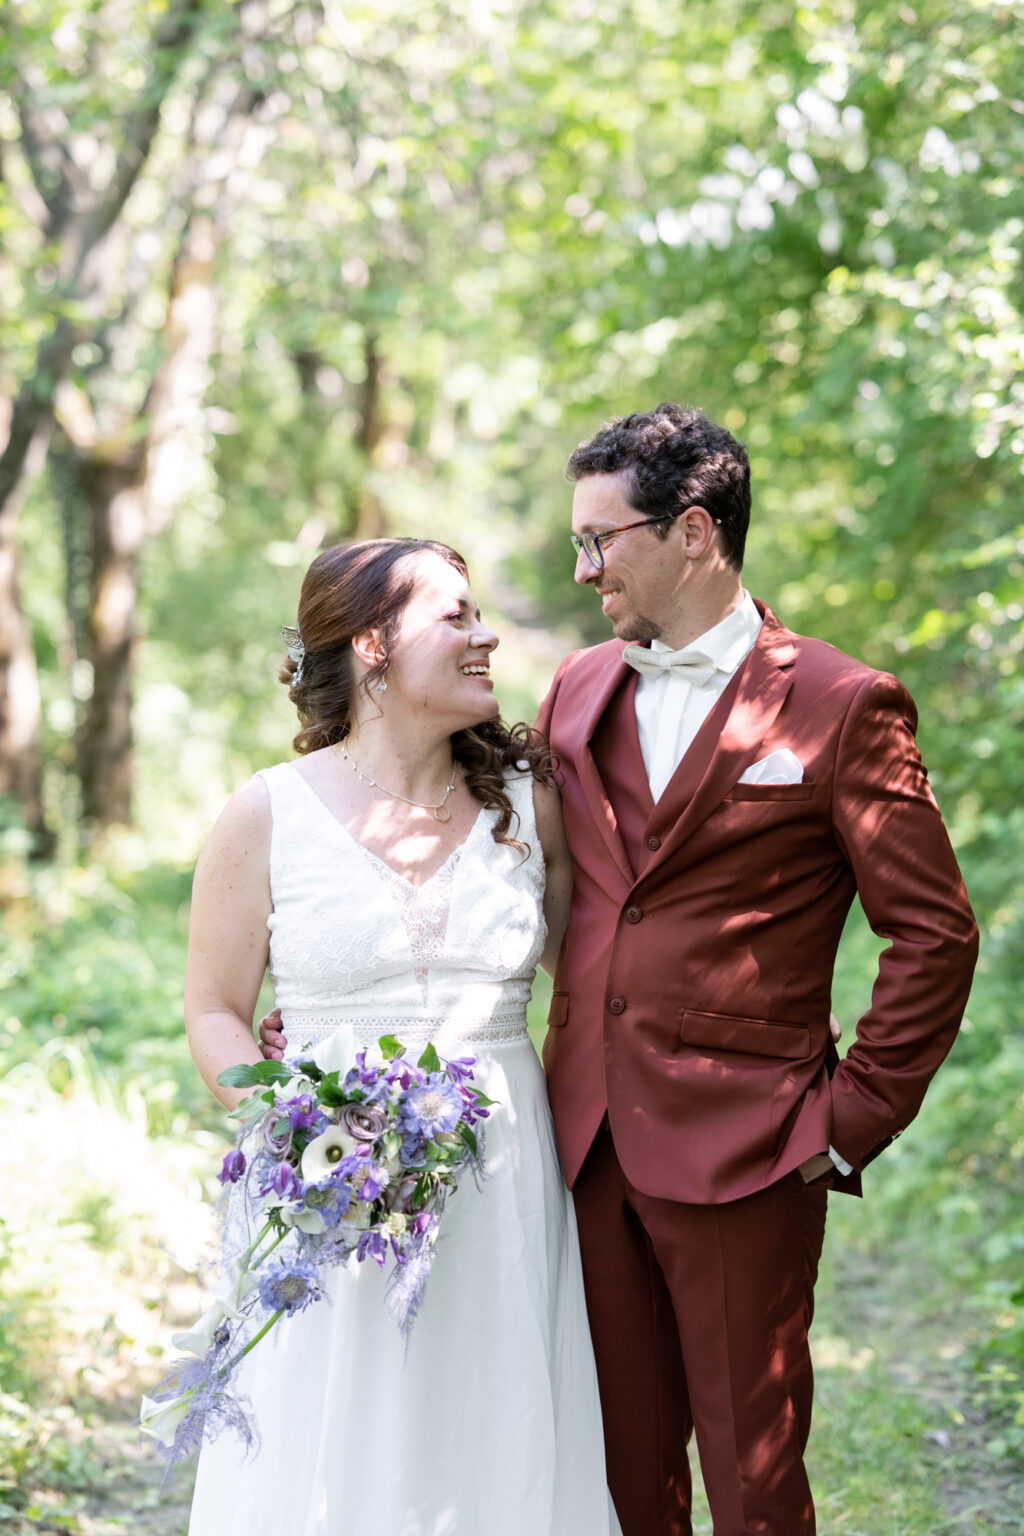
331	1198
234	1167
432	1109
289	1286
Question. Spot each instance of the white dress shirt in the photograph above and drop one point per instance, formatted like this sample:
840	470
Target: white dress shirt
670	710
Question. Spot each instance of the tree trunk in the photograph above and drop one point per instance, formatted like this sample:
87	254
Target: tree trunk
122	492
111	491
370	518
20	764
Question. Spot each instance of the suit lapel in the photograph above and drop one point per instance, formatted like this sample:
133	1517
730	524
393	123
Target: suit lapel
595	793
728	741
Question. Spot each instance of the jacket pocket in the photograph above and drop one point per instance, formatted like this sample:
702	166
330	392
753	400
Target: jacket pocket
558	1014
802	791
753	1037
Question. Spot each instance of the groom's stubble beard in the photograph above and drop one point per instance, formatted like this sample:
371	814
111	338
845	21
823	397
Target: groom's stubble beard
636	629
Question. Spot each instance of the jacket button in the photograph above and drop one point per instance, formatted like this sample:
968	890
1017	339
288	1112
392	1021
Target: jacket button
616	1004
654	843
634	914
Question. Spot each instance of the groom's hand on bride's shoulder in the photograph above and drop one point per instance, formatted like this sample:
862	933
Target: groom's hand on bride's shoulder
273	1041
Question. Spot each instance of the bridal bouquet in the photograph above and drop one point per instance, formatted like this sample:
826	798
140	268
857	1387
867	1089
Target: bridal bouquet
335	1164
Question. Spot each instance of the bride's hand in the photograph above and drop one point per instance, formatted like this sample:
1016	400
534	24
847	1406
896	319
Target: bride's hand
273	1042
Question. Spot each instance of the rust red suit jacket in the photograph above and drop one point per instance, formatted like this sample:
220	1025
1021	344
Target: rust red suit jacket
693	990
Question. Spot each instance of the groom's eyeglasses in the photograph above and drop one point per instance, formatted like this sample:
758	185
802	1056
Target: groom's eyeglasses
590	543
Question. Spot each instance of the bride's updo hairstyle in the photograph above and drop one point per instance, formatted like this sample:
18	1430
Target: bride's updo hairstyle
350	589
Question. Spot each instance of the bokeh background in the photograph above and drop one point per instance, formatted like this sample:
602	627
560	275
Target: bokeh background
277	273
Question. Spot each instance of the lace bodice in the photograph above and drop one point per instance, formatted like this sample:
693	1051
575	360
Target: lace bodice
354	943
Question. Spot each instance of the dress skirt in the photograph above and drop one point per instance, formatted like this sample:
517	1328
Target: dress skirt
489	1425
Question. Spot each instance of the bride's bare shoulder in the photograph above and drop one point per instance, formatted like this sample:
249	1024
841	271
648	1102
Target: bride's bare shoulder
243	827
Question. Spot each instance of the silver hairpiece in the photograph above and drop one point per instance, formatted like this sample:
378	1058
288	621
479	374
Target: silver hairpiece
296	650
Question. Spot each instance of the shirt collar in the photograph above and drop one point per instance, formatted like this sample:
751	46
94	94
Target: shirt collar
729	641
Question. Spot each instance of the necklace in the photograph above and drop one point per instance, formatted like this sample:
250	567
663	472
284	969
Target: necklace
441	811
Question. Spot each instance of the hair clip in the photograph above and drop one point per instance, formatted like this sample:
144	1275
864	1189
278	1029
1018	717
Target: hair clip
296	650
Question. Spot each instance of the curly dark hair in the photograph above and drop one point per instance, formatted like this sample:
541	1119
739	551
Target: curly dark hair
351	588
675	457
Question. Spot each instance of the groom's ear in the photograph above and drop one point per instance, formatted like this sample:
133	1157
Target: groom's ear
369	647
697	528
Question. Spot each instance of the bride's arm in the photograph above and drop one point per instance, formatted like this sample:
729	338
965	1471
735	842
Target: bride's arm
558	884
228	938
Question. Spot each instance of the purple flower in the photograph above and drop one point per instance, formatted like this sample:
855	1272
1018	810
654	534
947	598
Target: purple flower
432	1109
363	1122
422	1223
374	1182
284	1182
304	1114
372	1244
289	1286
460	1068
402	1074
234	1167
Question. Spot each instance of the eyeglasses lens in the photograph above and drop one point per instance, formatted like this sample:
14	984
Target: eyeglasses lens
588	544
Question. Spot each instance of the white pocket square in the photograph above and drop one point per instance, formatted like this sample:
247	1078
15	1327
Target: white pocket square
783	767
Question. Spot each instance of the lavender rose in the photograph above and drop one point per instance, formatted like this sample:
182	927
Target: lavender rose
363	1122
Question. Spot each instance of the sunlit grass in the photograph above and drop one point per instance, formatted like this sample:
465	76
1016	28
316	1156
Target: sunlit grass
103	1229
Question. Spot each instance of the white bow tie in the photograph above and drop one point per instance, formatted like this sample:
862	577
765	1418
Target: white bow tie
697	668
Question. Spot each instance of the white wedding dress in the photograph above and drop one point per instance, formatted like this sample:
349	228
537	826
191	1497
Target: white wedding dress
491	1424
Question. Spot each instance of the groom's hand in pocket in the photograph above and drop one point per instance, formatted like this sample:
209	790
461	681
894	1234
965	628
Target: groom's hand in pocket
273	1041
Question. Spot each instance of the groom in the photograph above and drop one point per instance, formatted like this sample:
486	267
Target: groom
728	787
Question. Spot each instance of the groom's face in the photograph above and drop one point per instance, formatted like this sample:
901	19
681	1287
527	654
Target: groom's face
640	583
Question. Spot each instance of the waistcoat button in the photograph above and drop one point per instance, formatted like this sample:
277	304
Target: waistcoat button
654	843
616	1004
634	914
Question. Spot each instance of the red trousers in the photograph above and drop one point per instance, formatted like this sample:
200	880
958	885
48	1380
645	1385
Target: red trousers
700	1315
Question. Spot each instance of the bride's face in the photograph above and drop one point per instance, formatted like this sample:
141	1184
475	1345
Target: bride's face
440	659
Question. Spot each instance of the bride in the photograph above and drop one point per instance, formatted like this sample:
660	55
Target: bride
393	878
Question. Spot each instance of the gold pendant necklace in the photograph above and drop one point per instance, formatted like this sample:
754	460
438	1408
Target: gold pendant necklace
440	811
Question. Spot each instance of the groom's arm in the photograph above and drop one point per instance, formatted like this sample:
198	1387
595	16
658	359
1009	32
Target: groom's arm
890	830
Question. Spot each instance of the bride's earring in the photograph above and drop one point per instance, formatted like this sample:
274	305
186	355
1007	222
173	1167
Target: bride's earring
382	686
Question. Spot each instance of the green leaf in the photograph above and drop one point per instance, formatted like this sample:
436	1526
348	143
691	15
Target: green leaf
421	1193
430	1061
309	1068
332	1094
254	1074
251	1109
390	1047
467	1136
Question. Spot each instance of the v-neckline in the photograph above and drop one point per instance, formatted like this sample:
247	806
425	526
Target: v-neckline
375	858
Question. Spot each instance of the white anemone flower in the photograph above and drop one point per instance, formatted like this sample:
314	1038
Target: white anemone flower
324	1153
